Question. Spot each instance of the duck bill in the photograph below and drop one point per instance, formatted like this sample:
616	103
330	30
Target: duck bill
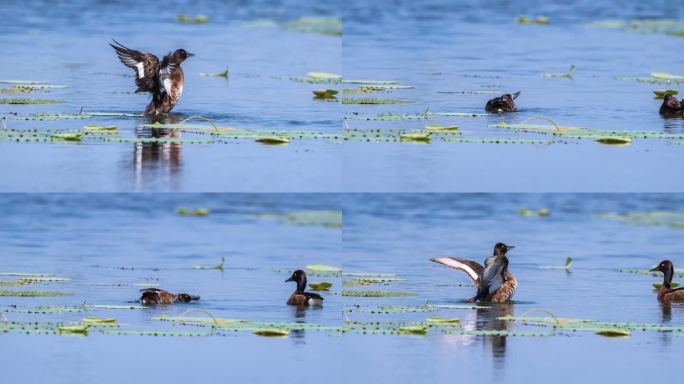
290	279
515	95
509	247
191	54
656	269
194	297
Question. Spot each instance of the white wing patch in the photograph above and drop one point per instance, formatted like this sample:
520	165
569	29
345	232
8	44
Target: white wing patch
166	84
141	69
451	263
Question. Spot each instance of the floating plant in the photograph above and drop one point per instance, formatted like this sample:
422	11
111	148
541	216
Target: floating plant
568	264
330	219
17	100
192	212
539	20
373	100
322	25
542	212
320	286
272	140
325	93
34	293
98	128
376	293
217	74
440	128
568	74
217	266
660	93
199	19
271	332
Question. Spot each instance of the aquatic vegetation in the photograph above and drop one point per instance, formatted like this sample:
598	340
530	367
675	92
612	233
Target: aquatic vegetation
657	218
615	332
387	309
325	93
660	93
67	137
272	140
539	20
322	25
368	274
34	293
679	272
371	82
413	330
330	219
217	266
363	281
145	332
614	140
199	19
568	74
320	286
192	212
419	137
656	78
322	269
17	100
24	274
394	116
73	329
24	82
98	128
373	100
97	320
542	212
271	332
568	264
376	293
441	320
217	74
658	284
496	332
434	127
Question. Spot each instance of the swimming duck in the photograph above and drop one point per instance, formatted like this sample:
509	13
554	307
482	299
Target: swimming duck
494	282
164	80
299	297
502	104
671	107
666	293
151	296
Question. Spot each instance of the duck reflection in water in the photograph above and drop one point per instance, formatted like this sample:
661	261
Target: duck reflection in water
487	319
157	158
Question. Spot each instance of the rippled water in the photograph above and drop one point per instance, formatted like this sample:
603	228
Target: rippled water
68	45
446	48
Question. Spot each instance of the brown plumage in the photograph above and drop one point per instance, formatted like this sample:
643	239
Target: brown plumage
299	297
494	282
666	293
671	107
152	296
163	79
502	104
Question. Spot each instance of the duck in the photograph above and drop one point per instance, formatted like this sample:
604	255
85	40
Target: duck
502	104
494	282
666	293
671	107
164	80
152	296
299	297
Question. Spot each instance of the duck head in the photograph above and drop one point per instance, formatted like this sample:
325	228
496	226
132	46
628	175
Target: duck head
667	268
180	55
185	298
503	103
671	106
299	277
500	249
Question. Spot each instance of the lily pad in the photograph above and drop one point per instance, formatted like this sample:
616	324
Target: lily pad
614	140
217	74
34	293
272	140
613	332
16	100
98	128
73	329
568	264
660	93
414	330
373	100
320	286
441	320
199	19
325	76
539	20
568	74
415	137
322	268
325	93
97	320
376	293
192	212
217	266
271	332
543	212
434	127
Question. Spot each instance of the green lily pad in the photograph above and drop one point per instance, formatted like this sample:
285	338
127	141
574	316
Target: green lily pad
441	320
660	93
217	266
373	100
272	140
217	74
434	127
539	20
74	137
98	128
567	74
376	293
34	293
568	264
192	212
17	100
666	76
73	329
543	212
415	137
322	268
322	286
97	320
613	332
271	332
413	330
325	93
614	140
199	19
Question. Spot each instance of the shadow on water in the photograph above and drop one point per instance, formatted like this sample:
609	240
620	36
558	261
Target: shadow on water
150	160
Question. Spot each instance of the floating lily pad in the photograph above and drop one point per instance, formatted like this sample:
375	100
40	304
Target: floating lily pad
325	76
272	140
373	100
73	329
199	19
660	93
272	332
441	320
415	137
434	127
322	25
217	74
568	74
539	20
192	212
322	286
568	264
614	332
98	128
322	268
363	281
16	100
74	137
217	266
543	212
34	293
413	330
325	93
614	140
97	320
376	293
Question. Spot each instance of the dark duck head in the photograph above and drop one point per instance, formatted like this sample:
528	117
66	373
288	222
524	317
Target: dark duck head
502	104
500	249
299	277
178	56
671	107
667	268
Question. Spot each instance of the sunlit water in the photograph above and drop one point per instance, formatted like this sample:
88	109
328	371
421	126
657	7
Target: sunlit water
446	48
104	240
67	44
98	241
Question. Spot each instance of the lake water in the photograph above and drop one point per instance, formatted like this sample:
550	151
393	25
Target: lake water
67	44
448	50
111	245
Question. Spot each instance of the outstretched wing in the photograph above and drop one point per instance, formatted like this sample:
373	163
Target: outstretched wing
146	66
471	268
